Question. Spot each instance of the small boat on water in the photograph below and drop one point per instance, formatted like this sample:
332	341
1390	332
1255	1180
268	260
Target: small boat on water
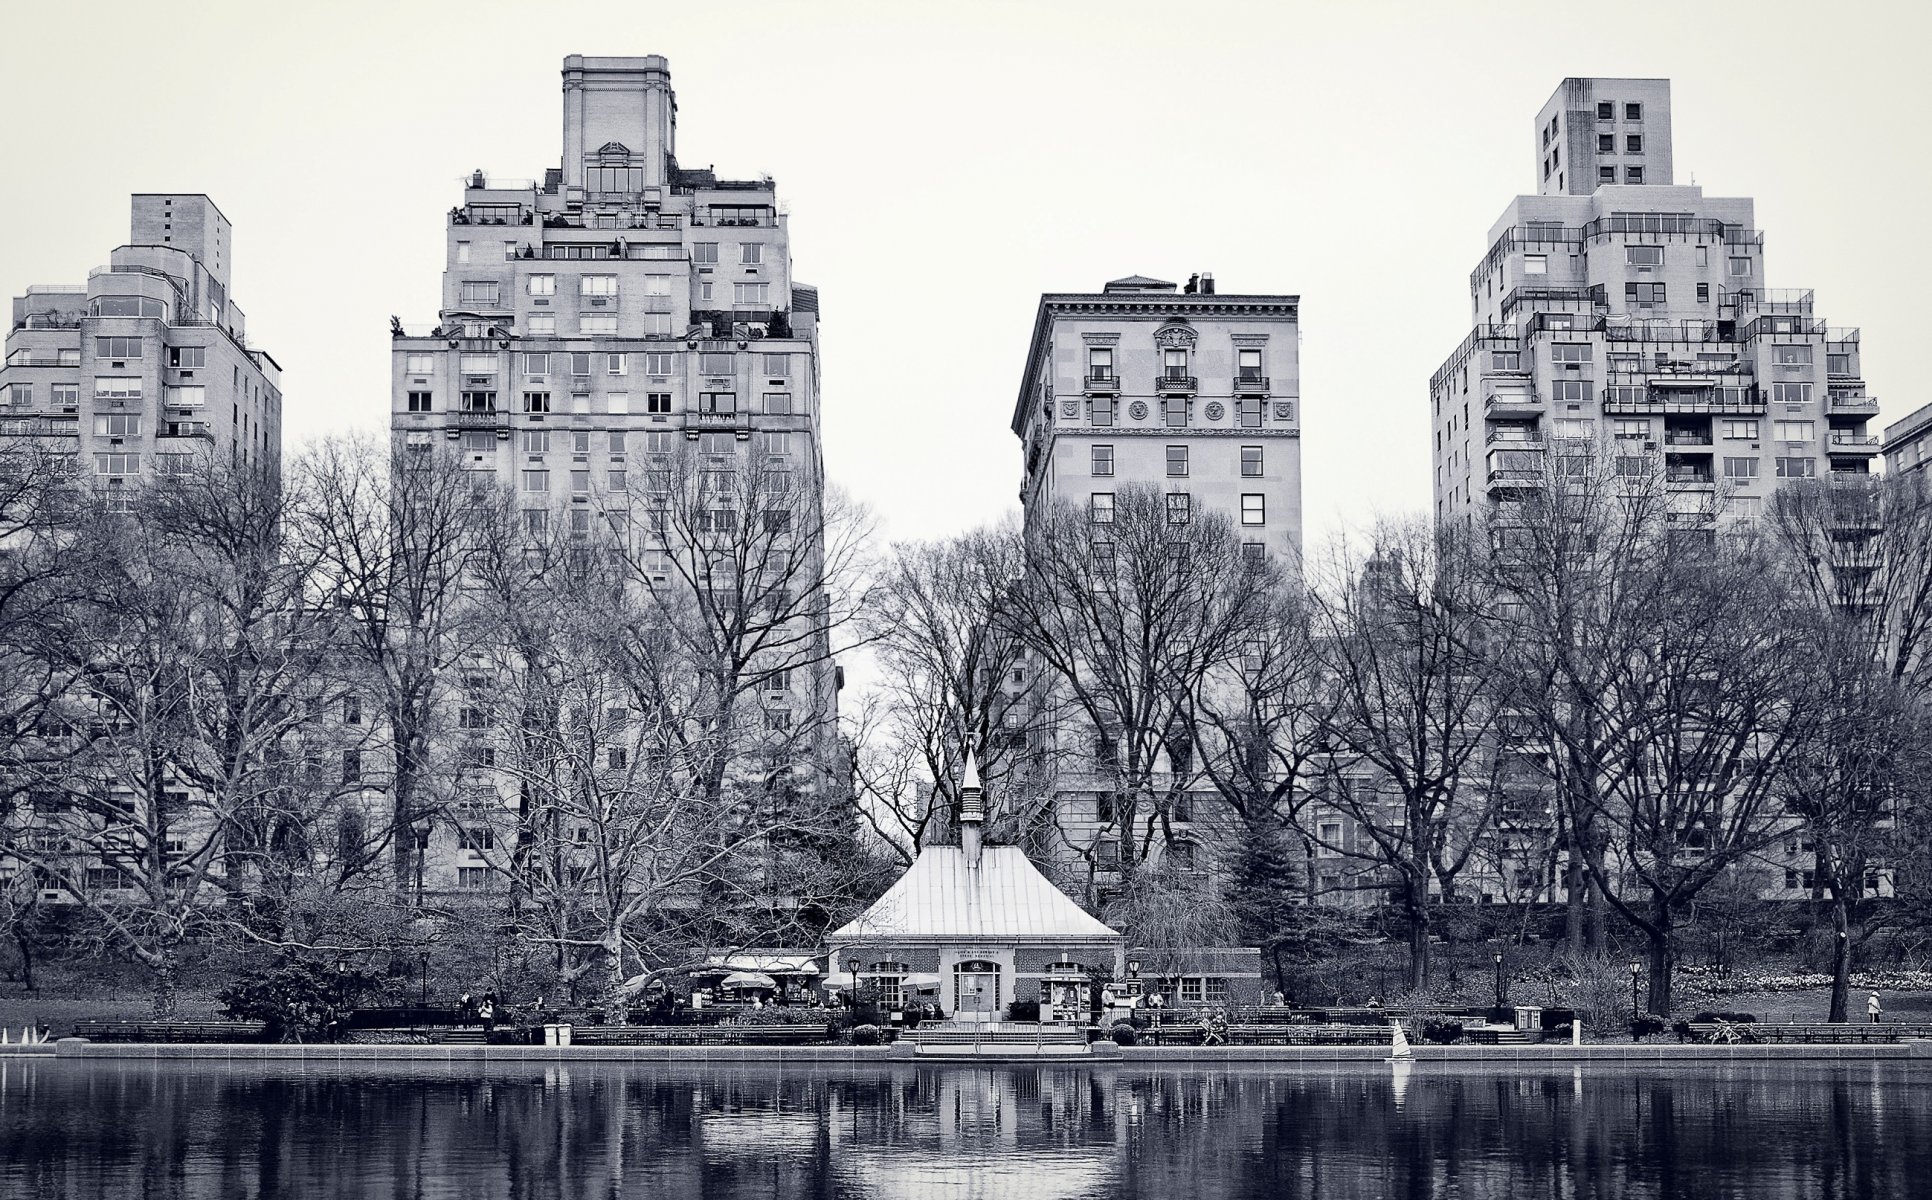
1400	1050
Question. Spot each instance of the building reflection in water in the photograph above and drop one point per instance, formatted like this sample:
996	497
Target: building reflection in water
1762	1131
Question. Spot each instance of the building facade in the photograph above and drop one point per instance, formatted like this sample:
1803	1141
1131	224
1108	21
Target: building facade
1908	443
146	367
1621	315
621	327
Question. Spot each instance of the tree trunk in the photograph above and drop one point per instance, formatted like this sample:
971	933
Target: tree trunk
1418	915
161	998
617	1009
1658	998
1840	957
26	946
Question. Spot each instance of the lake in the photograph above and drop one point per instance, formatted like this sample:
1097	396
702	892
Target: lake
1755	1131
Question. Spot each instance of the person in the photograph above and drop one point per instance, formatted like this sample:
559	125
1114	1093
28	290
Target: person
465	1008
1872	1008
1156	1002
1215	1029
1107	999
1281	1001
487	1011
1375	1002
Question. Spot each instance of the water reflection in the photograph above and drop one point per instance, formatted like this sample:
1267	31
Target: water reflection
1762	1132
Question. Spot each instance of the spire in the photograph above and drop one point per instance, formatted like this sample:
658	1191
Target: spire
972	810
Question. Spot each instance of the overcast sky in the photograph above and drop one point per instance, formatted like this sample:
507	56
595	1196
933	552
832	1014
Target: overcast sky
945	164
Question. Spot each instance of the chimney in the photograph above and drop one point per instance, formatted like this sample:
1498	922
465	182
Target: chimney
1207	284
972	811
1193	285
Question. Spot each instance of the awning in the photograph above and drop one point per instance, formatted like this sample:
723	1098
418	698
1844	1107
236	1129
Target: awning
749	979
770	964
920	981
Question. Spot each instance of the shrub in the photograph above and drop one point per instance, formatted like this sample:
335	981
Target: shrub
1643	1027
781	1014
298	999
1441	1033
1023	1010
1124	1033
865	1035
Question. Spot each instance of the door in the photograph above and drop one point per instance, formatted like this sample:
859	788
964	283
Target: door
976	988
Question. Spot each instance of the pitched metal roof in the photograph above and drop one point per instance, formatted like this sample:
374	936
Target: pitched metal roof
940	897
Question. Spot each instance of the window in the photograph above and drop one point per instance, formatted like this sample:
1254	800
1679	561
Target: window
704	253
596	326
1180	508
716	364
1192	991
117	425
1740	468
1835	364
778	404
718	402
1174	410
116	388
481	291
536	481
1791	356
536	441
614	402
1248	366
536	402
117	464
1643	295
1174	365
1703	293
1606	174
657	364
1506	360
597	285
477	364
1176	460
1254	508
1633	174
579	485
1570	352
1644	256
473	879
1791	393
778	366
462	252
1100	364
1740	268
1575	427
1102	460
1633	429
1633	143
751	254
1251	462
1248	413
542	285
1606	143
536	364
1735	428
186	397
657	404
420	402
751	293
1100	508
1633	112
1633	466
1606	110
1570	390
188	357
351	766
1217	988
1100	410
65	395
1536	264
1797	468
1794	431
117	347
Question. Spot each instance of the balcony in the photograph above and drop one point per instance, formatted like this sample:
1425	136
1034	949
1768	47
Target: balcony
1847	442
488	418
186	429
1515	467
1249	384
1101	383
1852	405
1510	395
734	422
1689	480
1175	384
1512	440
1680	396
1687	437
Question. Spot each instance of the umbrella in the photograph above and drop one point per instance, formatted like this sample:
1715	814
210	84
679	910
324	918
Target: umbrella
749	979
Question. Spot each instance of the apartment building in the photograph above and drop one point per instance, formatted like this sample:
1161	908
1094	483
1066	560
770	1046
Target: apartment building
1618	313
1184	389
146	367
1908	443
612	324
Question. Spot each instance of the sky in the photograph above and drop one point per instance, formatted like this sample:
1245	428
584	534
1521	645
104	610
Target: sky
943	165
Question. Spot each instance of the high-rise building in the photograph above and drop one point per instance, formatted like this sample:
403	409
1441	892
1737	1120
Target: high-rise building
1196	395
1193	392
146	366
1618	313
620	327
1908	443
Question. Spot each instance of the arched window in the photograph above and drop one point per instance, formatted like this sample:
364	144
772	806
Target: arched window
976	986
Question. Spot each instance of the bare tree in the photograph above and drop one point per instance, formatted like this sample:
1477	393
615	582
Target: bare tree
1131	607
1407	636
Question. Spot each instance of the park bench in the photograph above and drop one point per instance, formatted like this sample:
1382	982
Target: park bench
1326	1034
955	1035
699	1035
171	1031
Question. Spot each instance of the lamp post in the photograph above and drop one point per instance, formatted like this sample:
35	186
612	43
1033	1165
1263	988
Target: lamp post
1500	994
423	958
1636	969
852	1002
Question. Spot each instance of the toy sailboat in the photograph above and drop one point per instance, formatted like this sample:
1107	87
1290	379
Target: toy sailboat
1400	1050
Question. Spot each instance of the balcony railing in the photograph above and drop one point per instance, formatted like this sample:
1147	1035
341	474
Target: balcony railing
1168	383
185	429
1853	441
1697	399
1674	437
1851	404
488	418
1101	383
733	421
1250	385
1510	440
1689	479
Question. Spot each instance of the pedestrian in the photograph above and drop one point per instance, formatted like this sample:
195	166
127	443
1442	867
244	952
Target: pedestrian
1873	1008
487	1011
1281	1001
465	1008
